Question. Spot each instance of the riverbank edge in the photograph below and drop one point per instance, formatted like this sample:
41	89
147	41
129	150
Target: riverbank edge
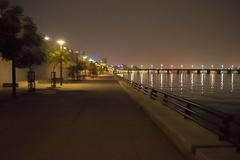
194	141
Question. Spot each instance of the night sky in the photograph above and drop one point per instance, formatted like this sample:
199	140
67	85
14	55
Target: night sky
144	32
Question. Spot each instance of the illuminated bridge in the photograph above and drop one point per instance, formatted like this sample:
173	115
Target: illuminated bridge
182	70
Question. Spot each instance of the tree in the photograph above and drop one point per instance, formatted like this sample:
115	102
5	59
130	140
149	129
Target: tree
32	53
74	68
19	39
92	69
54	55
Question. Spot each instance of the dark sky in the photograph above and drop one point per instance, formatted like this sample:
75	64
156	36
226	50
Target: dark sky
144	31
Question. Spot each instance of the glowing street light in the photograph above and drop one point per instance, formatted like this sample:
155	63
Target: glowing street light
171	66
202	66
61	43
192	66
46	38
181	66
85	57
212	66
222	66
151	66
141	66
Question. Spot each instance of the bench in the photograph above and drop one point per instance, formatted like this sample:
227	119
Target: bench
9	85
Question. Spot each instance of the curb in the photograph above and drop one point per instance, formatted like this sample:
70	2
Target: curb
194	141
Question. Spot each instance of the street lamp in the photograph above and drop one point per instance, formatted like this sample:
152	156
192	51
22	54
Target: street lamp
46	38
77	53
85	57
61	43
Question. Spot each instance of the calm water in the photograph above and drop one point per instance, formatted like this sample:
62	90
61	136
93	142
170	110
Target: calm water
219	91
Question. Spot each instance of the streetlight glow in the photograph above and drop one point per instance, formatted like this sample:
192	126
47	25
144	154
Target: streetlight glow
85	57
61	42
46	38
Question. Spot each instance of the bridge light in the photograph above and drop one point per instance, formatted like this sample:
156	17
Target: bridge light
151	66
171	66
181	66
232	66
161	66
192	66
141	66
202	66
212	66
222	66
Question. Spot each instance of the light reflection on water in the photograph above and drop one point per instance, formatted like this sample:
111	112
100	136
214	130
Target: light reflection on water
220	91
184	83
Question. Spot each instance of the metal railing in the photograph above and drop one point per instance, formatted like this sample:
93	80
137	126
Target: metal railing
223	124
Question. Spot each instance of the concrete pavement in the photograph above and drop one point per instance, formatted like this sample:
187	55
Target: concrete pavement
88	120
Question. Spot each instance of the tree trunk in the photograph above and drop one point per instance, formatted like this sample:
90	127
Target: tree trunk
14	94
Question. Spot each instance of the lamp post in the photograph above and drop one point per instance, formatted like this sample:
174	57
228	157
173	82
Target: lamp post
77	53
61	43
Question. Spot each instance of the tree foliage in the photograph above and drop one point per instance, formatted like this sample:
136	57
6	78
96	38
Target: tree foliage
55	54
19	38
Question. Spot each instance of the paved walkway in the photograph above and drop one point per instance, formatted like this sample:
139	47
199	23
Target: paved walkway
92	120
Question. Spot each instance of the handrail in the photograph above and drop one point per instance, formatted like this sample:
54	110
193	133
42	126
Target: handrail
214	120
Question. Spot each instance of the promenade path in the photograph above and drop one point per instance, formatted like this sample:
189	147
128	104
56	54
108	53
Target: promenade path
91	120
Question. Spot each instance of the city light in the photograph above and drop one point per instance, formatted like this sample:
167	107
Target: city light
91	60
151	66
212	66
202	66
222	66
171	66
192	66
141	66
181	66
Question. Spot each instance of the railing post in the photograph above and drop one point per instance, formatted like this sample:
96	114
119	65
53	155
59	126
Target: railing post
225	130
187	112
165	98
151	94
